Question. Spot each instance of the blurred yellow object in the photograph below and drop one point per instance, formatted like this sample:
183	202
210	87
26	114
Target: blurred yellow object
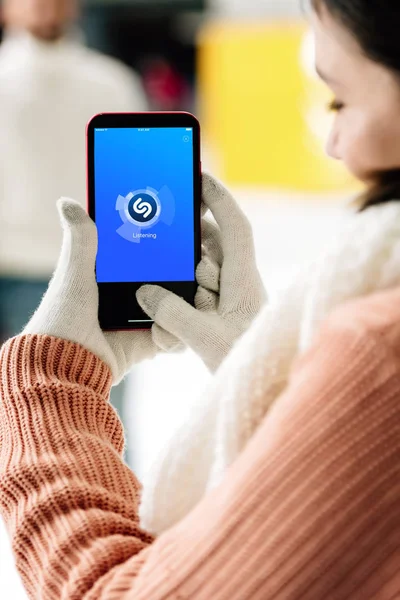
263	109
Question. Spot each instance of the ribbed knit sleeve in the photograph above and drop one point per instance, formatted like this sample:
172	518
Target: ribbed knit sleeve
308	511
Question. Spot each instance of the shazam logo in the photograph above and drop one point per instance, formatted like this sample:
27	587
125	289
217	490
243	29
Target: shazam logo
141	210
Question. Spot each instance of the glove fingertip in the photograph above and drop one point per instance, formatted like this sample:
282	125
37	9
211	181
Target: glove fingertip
71	211
146	297
146	288
147	292
208	184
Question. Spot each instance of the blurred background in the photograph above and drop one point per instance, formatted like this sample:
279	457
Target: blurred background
245	68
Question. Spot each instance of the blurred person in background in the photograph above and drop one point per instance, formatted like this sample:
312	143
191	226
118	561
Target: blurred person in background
50	86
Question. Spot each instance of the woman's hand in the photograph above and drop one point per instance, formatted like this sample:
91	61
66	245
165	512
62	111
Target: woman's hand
229	296
69	309
230	292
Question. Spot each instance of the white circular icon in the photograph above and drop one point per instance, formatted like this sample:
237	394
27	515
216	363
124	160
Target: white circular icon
142	208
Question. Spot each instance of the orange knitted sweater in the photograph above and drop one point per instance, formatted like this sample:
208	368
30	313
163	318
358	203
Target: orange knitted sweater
310	510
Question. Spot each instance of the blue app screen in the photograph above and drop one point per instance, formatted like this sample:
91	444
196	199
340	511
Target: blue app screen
144	205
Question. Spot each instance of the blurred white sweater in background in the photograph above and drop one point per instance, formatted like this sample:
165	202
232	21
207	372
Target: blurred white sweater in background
48	93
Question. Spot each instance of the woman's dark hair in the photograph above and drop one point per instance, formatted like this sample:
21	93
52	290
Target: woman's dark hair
376	26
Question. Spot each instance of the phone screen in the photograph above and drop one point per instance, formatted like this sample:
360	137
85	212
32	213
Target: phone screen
144	204
142	194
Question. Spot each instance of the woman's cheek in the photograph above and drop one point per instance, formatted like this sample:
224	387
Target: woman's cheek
357	151
353	159
358	170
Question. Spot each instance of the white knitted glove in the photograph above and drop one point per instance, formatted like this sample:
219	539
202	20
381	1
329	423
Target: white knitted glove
69	309
230	292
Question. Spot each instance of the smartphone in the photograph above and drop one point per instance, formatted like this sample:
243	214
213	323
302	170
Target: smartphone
144	194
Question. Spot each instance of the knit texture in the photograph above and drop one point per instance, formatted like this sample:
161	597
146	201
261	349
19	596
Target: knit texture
363	258
230	293
308	511
224	311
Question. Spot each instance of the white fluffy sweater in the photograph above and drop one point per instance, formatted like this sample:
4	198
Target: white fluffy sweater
364	258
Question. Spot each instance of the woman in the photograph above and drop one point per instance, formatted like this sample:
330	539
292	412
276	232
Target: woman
358	55
310	508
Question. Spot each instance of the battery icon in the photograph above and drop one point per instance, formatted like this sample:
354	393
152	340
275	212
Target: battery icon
188	129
